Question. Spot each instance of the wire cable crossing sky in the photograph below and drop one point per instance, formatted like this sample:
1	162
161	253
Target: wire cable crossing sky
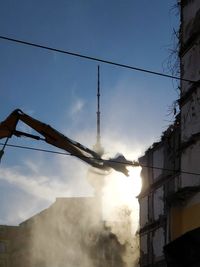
134	164
94	59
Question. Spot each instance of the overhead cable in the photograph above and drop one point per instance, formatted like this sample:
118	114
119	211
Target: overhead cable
94	59
133	164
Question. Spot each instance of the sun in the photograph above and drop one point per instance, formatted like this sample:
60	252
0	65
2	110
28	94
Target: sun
135	180
128	188
120	190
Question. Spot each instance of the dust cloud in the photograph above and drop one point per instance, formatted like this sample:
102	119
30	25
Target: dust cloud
97	231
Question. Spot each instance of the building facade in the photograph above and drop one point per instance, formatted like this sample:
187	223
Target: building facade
68	233
170	198
7	235
159	184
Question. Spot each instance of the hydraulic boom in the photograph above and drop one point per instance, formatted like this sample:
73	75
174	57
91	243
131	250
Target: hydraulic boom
57	139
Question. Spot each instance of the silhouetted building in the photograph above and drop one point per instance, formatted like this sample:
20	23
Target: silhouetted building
170	200
159	184
7	235
68	233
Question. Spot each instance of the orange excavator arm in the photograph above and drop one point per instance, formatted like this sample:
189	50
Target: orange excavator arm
57	139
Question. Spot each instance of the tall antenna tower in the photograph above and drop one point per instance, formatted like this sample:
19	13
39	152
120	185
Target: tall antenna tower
98	148
98	109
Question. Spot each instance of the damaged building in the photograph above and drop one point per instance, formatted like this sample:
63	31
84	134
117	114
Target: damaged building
159	184
68	233
7	235
170	198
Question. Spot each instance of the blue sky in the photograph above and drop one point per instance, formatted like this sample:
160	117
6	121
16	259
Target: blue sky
61	90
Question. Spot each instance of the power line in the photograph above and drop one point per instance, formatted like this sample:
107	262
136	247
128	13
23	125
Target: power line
95	59
133	164
39	149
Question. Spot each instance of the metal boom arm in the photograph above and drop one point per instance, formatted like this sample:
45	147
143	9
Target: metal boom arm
57	139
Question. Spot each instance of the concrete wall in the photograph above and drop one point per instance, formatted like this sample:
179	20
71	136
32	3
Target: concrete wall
144	244
190	23
190	116
185	211
152	237
190	66
158	161
190	108
158	202
170	203
158	243
7	234
190	163
143	211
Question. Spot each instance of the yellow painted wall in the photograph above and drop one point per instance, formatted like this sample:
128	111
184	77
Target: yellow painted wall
184	219
175	222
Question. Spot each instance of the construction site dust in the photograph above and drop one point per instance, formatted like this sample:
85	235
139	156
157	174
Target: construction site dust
97	231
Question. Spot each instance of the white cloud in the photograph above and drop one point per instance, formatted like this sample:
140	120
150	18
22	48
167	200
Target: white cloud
39	186
77	106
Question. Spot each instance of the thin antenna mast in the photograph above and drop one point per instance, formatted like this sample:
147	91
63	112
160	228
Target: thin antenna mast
98	109
98	148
